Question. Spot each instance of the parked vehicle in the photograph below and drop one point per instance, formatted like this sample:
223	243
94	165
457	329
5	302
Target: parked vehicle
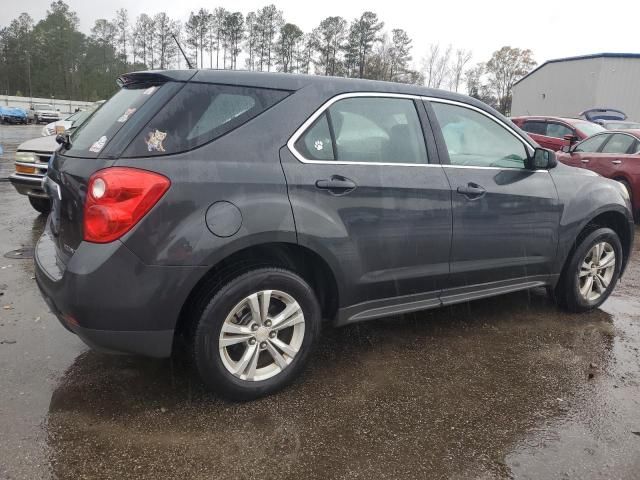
612	154
56	128
233	211
31	162
620	125
12	115
552	132
43	113
599	115
31	165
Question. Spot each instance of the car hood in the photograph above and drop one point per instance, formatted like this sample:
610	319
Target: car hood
48	112
13	111
40	144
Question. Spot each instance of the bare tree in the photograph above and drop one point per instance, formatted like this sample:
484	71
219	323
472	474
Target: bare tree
165	46
462	58
122	36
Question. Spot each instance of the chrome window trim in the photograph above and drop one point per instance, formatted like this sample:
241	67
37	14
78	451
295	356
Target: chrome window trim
303	128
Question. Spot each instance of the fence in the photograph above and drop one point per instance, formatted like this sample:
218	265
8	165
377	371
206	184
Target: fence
64	106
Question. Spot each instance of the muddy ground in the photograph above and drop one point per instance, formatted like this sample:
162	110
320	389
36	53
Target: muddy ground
508	387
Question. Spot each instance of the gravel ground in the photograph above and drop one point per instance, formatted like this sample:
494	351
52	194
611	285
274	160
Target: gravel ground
508	387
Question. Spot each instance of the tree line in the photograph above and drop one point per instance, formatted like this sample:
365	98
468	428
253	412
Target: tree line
52	58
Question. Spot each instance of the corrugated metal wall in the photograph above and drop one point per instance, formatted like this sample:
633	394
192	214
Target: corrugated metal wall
567	88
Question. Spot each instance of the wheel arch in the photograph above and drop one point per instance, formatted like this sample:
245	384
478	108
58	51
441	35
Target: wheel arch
307	263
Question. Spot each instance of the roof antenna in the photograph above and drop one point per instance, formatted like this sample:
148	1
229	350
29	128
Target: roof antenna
182	51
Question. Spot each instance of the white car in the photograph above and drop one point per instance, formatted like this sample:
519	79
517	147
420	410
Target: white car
56	128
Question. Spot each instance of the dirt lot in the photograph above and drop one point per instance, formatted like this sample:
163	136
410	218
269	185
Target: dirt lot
503	388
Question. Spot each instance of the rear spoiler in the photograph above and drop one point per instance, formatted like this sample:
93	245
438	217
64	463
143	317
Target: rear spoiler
154	77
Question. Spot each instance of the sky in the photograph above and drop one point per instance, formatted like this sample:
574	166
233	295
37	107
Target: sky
551	29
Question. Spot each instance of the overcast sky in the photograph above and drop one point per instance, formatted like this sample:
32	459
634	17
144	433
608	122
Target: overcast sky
551	28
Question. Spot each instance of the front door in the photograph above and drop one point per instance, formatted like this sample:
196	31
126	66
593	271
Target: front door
364	193
505	216
583	154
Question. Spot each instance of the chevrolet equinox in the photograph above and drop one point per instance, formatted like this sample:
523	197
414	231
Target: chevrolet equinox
237	210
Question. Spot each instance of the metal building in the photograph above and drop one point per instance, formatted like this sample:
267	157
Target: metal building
567	86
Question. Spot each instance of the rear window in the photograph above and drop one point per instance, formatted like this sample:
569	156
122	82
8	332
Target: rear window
92	136
200	113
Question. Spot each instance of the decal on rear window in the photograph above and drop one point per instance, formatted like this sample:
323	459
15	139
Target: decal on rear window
98	145
154	141
125	116
149	91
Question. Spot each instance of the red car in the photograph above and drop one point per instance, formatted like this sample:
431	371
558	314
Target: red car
553	132
612	154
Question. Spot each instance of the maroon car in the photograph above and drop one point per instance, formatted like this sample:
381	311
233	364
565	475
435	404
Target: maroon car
612	154
552	132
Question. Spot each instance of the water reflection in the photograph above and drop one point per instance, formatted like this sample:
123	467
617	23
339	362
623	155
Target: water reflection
443	393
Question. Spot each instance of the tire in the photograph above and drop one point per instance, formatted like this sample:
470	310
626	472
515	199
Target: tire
216	363
568	291
42	205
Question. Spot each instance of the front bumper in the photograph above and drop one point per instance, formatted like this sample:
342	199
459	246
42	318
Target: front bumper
15	120
110	299
30	185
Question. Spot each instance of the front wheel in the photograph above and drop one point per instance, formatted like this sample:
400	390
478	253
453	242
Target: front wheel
256	333
592	271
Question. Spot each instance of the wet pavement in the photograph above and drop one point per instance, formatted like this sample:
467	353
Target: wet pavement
508	387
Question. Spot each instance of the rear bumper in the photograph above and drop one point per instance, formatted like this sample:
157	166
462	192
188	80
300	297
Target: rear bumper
28	185
15	120
110	299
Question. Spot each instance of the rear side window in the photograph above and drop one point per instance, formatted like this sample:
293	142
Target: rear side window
199	113
366	129
535	127
619	143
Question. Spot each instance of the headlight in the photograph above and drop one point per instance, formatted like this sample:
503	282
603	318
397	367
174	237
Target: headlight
26	157
46	131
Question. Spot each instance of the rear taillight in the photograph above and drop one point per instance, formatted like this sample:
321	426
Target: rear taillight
117	198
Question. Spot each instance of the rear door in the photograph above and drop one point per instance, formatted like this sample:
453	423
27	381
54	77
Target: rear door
505	216
368	192
617	151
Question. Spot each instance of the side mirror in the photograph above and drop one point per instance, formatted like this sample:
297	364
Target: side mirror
543	159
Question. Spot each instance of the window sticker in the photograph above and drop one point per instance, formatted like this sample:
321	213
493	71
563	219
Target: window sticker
125	116
98	145
319	145
154	141
149	91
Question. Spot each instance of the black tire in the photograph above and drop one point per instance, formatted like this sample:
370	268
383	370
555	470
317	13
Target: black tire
205	350
42	205
567	291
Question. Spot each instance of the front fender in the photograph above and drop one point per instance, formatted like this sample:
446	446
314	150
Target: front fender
584	196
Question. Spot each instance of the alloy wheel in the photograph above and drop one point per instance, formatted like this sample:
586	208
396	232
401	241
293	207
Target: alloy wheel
262	335
596	271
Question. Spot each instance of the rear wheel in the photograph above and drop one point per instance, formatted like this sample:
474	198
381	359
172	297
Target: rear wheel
256	333
42	205
592	271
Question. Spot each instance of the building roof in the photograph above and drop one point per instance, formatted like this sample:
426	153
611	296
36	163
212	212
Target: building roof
581	57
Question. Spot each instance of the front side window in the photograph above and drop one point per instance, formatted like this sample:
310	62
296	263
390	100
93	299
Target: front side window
473	139
557	130
199	113
592	144
619	143
366	129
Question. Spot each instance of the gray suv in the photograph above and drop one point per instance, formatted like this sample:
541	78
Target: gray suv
238	212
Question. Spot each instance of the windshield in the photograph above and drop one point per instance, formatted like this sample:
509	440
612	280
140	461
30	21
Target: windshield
92	136
589	128
43	106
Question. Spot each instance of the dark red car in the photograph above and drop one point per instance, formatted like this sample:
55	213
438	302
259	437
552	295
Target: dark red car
550	132
612	154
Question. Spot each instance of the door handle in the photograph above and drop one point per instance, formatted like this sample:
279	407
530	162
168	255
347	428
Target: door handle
336	184
616	162
585	160
472	190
